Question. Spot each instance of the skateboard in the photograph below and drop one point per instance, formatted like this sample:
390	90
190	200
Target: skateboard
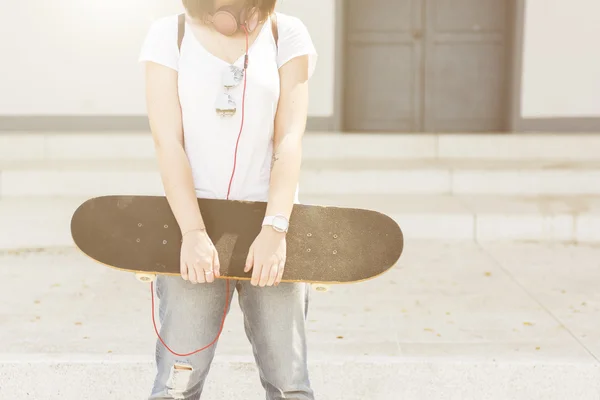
325	245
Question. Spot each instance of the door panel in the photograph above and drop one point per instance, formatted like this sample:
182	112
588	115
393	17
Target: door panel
465	101
465	51
380	15
383	102
384	64
465	15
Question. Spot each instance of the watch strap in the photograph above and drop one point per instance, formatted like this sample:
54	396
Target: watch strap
269	220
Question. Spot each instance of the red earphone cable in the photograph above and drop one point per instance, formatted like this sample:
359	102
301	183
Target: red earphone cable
228	193
199	350
243	115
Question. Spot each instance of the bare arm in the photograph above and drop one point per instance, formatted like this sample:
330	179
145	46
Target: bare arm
290	124
164	113
268	252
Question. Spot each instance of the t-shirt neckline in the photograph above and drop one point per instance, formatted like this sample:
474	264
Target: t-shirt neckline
240	58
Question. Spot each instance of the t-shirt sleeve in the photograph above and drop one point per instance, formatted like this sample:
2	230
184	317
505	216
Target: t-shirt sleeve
294	41
160	44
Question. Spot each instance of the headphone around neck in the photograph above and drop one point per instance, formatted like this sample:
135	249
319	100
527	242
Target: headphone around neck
227	20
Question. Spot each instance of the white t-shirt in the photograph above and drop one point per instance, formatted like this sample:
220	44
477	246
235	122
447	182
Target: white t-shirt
210	140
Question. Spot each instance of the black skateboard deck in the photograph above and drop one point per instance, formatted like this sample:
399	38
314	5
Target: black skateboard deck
329	245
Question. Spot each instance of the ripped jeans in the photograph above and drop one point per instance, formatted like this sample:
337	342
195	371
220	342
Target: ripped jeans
274	320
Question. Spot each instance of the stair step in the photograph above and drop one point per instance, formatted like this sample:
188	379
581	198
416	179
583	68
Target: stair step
317	145
43	222
362	176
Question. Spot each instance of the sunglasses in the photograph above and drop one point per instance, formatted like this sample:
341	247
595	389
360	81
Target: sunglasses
231	77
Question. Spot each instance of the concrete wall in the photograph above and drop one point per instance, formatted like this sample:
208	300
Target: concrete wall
79	57
561	59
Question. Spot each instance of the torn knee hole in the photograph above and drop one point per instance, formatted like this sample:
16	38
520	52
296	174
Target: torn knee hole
179	380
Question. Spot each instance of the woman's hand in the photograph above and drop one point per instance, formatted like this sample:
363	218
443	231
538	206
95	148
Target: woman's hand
199	258
267	257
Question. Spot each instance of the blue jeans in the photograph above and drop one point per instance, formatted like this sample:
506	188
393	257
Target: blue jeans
274	320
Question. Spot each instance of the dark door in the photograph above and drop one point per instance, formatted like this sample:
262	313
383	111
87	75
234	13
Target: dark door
425	65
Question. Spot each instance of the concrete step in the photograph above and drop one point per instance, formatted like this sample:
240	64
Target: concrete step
453	320
42	222
320	177
318	145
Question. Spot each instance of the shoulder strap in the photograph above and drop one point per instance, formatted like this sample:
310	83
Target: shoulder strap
180	30
275	29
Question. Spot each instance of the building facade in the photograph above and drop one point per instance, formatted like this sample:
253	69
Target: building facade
384	65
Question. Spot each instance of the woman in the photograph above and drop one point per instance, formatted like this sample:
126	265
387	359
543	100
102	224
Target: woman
227	105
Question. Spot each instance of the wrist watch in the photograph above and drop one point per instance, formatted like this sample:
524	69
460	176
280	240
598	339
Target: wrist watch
277	222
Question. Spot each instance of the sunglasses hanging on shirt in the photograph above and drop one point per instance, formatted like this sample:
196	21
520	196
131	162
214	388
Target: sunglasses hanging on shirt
231	77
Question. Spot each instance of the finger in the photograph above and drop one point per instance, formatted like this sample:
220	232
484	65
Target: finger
280	273
193	277
249	260
264	274
209	268
200	278
257	269
183	270
217	264
209	274
273	272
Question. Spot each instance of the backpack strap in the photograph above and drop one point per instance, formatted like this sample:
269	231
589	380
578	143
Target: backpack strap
180	30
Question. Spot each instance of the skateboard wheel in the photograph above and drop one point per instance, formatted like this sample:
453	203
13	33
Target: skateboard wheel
319	287
146	278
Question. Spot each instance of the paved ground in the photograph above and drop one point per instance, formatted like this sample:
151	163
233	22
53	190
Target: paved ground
451	321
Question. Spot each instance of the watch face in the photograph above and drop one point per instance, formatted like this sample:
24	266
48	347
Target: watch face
280	223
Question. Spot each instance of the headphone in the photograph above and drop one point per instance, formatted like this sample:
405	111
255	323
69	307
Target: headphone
227	20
